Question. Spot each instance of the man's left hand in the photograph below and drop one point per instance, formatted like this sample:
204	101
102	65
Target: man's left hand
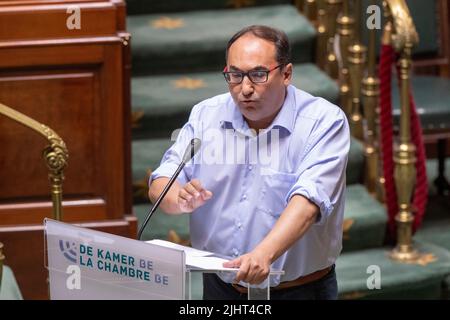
253	267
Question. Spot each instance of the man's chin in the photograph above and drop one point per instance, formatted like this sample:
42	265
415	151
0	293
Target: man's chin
248	110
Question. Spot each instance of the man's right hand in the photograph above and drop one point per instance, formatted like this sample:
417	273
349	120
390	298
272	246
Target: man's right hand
192	196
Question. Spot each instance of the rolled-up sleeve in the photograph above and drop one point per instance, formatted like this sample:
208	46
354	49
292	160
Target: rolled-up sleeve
321	174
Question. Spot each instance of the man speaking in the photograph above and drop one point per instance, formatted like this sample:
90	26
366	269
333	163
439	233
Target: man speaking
267	187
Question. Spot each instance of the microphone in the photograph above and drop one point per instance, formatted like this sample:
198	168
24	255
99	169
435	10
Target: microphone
190	152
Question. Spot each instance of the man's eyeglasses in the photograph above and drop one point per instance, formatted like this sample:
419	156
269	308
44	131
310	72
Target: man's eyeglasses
255	76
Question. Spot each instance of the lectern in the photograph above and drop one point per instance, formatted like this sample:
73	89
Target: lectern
88	264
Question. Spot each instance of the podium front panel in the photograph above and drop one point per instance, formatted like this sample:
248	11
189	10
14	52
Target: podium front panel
88	264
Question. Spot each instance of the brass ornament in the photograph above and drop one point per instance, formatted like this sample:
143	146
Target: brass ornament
356	60
167	23
55	154
403	36
136	117
140	187
310	9
333	7
322	39
345	25
420	259
188	83
370	100
404	29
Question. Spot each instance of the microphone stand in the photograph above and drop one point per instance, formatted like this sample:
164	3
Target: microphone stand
161	196
191	150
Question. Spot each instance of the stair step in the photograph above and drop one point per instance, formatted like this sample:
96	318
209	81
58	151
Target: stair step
162	103
182	42
436	232
432	99
146	6
398	280
364	219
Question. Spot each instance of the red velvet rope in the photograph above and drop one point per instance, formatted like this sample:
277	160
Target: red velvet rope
386	134
421	189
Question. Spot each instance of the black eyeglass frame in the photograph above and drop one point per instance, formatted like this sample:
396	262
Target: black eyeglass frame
248	74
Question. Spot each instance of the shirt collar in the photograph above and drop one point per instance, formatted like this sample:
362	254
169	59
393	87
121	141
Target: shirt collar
285	118
232	119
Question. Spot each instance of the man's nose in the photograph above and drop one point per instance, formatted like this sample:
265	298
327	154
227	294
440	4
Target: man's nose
247	86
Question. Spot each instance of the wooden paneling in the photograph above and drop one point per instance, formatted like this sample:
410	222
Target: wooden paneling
65	101
76	82
80	102
50	21
37	211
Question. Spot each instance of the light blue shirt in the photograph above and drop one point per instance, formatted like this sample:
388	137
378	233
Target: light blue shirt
253	177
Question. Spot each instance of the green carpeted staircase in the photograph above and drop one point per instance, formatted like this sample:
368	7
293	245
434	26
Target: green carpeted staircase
177	55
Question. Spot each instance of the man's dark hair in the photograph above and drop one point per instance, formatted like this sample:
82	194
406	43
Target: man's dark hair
278	37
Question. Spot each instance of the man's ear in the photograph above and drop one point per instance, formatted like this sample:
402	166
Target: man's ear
287	74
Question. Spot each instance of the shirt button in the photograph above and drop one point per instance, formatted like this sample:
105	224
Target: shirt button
239	225
235	252
250	167
244	197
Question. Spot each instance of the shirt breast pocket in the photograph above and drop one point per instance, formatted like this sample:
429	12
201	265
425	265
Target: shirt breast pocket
275	187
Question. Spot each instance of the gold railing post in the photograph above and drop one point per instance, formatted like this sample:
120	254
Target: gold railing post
405	169
356	62
345	30
333	7
322	40
55	154
403	40
300	5
310	10
371	93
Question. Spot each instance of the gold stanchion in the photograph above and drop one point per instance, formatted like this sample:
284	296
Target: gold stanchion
356	62
321	44
345	30
300	5
55	154
310	9
333	7
403	40
371	93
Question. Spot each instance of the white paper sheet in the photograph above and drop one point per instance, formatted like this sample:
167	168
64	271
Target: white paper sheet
188	250
200	259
